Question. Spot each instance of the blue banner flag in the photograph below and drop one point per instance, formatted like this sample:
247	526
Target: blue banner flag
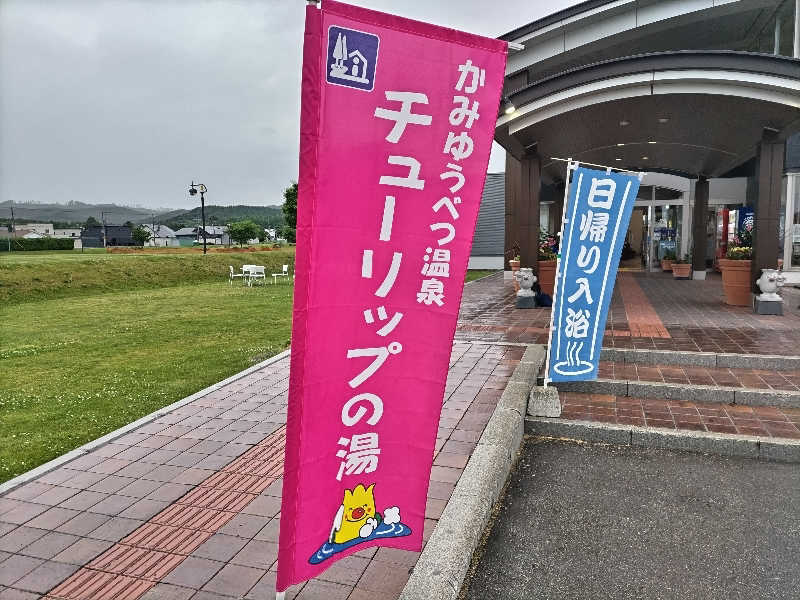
595	224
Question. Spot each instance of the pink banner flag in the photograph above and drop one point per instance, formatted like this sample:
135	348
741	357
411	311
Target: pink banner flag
396	127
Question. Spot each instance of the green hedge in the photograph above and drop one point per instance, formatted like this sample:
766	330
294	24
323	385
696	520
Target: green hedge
23	245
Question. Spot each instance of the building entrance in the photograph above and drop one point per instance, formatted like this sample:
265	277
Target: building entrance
658	227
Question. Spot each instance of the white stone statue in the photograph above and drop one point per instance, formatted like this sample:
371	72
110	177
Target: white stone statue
526	279
769	282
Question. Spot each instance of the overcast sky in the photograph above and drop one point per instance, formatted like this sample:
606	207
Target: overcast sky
128	101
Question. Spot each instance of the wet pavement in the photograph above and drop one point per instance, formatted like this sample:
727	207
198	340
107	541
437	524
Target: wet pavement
583	521
648	311
764	421
186	506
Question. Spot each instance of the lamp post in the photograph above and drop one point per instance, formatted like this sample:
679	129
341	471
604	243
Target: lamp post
193	189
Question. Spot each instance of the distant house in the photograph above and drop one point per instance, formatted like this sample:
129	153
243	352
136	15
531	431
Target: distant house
92	237
115	235
43	229
186	236
161	236
17	233
34	236
215	234
67	233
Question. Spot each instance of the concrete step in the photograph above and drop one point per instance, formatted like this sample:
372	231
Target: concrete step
680	391
750	446
717	417
702	359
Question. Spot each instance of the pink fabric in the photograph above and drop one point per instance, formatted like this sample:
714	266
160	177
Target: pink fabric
341	209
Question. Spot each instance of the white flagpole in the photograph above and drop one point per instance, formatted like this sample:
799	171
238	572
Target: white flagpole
571	166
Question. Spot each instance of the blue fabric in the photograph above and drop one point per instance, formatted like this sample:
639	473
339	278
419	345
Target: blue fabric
383	530
597	215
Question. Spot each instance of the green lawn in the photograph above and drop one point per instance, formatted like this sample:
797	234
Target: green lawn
90	342
73	369
26	276
474	274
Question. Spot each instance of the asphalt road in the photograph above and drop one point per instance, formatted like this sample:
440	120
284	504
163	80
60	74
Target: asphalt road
582	521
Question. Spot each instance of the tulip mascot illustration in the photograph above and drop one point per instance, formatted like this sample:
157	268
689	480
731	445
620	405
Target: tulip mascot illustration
358	521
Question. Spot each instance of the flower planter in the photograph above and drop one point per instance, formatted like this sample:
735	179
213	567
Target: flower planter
736	281
666	264
547	276
682	270
514	264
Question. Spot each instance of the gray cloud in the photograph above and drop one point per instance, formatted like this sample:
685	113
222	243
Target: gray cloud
127	101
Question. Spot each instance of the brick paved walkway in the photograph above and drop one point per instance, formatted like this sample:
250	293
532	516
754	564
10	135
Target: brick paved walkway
675	414
740	378
692	313
187	506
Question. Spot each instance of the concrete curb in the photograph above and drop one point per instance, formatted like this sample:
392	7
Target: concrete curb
701	359
443	564
772	449
680	391
86	448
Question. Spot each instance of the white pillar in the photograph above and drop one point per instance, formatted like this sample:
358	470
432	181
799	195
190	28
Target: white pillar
777	47
797	28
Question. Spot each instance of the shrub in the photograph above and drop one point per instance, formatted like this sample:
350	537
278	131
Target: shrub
739	253
25	245
687	258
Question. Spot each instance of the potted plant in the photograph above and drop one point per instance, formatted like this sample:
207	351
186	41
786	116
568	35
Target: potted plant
667	260
548	253
736	278
682	267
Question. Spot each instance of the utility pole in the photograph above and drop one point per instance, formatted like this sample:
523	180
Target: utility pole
103	214
13	226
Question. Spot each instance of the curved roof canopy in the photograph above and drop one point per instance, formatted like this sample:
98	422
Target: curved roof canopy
688	113
682	86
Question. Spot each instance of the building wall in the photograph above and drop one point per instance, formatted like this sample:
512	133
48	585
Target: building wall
489	238
67	233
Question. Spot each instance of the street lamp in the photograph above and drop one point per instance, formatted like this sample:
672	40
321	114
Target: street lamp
193	189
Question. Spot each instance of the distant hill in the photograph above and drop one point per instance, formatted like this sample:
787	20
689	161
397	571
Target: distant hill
266	216
78	212
72	212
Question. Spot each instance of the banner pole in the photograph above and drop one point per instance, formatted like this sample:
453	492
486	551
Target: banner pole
606	167
570	167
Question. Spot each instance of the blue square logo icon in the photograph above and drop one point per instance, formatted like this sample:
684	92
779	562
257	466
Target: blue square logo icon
352	58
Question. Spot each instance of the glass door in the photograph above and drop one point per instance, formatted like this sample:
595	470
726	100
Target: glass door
667	232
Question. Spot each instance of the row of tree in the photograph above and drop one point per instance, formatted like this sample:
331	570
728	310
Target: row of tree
240	231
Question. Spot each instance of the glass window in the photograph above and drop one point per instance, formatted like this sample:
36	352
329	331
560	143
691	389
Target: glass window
793	205
544	217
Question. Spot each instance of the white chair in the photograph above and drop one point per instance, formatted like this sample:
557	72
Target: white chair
234	275
256	272
283	273
246	273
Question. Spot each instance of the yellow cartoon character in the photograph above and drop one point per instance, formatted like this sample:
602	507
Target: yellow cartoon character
356	517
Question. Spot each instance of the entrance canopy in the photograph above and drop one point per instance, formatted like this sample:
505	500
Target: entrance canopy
697	88
688	113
